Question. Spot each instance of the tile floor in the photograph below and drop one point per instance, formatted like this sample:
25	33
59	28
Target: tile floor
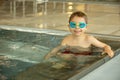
104	18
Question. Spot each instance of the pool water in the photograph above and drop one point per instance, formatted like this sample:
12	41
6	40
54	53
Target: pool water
23	51
22	57
19	56
12	67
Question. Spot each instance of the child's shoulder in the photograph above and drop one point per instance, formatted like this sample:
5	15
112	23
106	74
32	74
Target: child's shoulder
68	36
66	39
90	37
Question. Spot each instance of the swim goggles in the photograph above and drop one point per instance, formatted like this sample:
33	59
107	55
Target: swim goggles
80	25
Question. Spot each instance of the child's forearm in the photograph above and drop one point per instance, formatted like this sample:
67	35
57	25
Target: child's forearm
53	52
49	55
107	48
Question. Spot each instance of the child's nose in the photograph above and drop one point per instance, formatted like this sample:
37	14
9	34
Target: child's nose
77	26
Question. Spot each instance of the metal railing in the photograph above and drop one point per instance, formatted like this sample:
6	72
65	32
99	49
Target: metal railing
35	3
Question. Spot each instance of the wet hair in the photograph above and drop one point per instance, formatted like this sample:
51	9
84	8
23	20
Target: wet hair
79	14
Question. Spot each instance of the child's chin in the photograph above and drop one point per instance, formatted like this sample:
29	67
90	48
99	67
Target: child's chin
77	34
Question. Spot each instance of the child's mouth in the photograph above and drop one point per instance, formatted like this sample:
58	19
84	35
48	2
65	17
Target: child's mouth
77	31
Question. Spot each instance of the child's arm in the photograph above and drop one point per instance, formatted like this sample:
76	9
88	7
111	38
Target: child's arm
56	49
97	43
53	52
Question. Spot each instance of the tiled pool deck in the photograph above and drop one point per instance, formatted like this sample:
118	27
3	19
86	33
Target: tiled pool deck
104	18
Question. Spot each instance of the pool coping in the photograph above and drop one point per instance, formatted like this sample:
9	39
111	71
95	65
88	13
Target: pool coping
93	66
51	31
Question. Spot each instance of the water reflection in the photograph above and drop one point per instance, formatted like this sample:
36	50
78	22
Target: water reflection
55	14
43	7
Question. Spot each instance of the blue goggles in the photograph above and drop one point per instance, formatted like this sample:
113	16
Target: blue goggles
80	24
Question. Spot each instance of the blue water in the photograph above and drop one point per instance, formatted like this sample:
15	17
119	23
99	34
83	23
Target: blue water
19	56
23	50
12	67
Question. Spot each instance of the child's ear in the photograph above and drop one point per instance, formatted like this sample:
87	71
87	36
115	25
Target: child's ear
86	27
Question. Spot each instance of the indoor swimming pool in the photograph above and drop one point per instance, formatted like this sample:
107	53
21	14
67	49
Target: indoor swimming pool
29	29
22	51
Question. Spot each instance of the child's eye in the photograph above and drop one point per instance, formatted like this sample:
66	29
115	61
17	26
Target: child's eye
72	25
82	25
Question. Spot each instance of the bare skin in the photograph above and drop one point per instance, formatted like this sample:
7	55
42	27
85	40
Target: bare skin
81	39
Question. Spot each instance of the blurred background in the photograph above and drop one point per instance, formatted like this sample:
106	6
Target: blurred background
103	15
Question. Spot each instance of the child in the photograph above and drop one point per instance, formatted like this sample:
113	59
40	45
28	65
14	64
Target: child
78	39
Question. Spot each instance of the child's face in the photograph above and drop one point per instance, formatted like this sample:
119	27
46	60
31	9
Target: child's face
77	25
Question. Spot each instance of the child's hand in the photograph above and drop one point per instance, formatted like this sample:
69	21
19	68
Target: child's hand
46	57
52	53
110	53
108	50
